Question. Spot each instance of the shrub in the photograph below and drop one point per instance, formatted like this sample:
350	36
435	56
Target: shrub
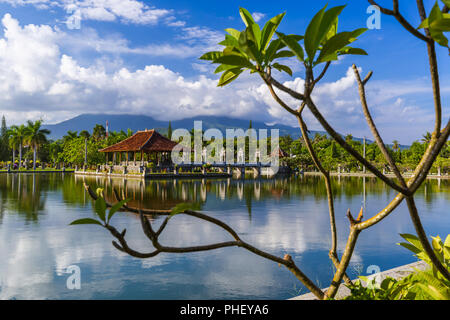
420	285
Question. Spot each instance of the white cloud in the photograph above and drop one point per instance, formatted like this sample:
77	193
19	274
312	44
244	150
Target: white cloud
127	11
38	78
257	16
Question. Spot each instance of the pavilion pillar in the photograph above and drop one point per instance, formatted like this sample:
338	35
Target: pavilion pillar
134	157
142	158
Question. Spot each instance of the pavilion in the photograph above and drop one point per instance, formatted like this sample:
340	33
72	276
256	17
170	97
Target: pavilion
148	145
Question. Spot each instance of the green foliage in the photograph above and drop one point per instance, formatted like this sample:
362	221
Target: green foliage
182	207
438	23
253	49
100	211
420	285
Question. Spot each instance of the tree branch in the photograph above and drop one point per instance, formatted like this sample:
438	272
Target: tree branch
154	238
396	14
372	126
337	137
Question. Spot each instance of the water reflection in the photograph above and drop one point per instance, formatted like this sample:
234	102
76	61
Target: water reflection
283	215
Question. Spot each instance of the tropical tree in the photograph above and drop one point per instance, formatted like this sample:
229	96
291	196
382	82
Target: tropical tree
70	135
35	136
426	138
99	132
17	135
395	145
254	50
85	134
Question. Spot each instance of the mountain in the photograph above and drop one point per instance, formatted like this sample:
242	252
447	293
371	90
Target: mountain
140	122
124	122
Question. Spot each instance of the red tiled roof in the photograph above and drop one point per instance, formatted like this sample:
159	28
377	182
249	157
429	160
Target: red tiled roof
281	153
146	141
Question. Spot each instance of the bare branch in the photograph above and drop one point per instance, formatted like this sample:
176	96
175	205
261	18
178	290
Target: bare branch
395	13
322	74
372	126
294	94
431	46
333	251
277	99
337	137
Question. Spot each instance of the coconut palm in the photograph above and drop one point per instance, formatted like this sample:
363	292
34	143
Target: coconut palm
395	145
35	136
13	141
85	134
426	138
17	136
70	135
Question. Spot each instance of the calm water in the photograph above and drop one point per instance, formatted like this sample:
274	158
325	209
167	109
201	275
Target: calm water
285	215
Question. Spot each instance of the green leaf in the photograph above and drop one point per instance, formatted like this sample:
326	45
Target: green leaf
273	47
437	23
409	247
213	55
413	240
446	2
353	51
182	207
269	29
229	76
283	54
292	44
233	32
224	67
85	221
246	17
247	45
116	208
100	208
256	32
281	68
332	47
319	28
235	60
447	240
229	41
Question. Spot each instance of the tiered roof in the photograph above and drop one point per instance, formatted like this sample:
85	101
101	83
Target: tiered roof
146	141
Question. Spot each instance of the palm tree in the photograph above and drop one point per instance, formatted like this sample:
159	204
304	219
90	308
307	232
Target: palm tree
85	134
426	138
35	137
17	136
13	141
99	132
70	135
395	145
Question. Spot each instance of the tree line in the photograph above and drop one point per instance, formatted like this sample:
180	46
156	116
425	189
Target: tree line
28	145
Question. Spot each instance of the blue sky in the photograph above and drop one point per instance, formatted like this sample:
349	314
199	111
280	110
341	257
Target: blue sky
141	57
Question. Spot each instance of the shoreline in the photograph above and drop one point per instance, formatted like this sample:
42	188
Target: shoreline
396	273
371	175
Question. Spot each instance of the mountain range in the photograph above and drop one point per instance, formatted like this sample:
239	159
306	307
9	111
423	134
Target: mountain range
123	122
118	122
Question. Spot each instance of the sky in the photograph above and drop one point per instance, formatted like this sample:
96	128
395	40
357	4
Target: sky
59	59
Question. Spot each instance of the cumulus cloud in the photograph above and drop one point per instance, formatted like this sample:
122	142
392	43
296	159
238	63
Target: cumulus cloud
128	11
38	78
257	16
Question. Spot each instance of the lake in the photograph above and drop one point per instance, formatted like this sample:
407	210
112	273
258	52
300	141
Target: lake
280	215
